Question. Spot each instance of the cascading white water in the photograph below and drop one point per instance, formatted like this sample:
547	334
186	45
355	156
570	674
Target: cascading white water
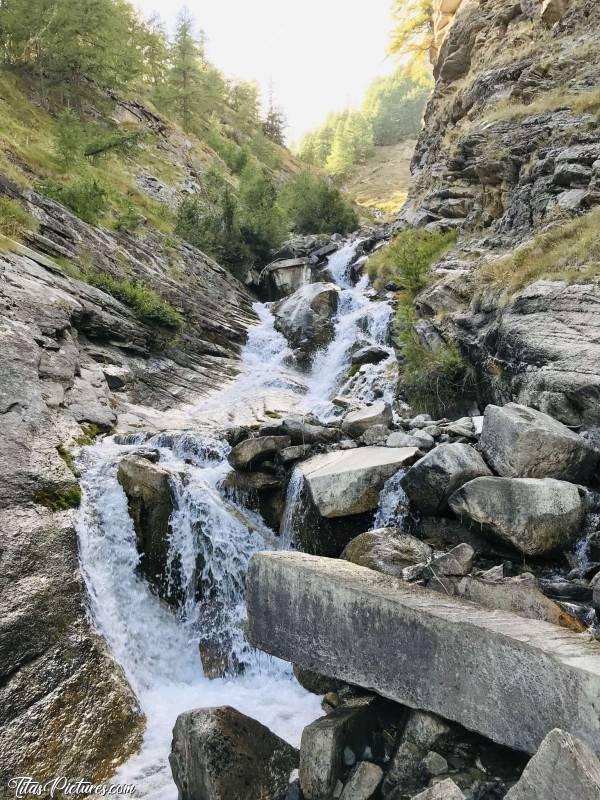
358	320
214	533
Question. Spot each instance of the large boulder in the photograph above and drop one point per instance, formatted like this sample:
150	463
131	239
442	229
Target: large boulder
307	318
444	790
150	500
535	516
434	478
221	754
347	482
487	670
562	769
358	422
249	453
386	550
520	442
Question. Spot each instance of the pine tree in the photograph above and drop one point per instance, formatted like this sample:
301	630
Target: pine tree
154	46
359	133
413	32
185	80
275	123
340	158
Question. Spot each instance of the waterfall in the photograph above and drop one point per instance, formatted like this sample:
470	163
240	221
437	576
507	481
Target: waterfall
213	536
393	511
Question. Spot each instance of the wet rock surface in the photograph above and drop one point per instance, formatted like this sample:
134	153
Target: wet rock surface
221	754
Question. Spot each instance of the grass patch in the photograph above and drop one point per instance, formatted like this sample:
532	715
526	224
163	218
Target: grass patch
144	302
432	380
568	252
90	433
582	102
59	500
14	219
407	259
86	197
67	458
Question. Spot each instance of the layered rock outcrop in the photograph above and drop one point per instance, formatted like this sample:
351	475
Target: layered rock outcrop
510	145
72	358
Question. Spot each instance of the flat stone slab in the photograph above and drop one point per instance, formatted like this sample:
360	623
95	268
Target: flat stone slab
509	678
347	482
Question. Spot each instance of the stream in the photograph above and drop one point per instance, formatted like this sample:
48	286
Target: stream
157	647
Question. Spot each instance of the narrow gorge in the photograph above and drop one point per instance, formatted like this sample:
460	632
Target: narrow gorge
322	522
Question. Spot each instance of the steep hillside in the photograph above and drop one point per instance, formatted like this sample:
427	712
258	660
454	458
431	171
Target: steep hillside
381	183
509	157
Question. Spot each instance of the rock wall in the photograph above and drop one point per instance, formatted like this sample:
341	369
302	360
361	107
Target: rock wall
74	360
511	146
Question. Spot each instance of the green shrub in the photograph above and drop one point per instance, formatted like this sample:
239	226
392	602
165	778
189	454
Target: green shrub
69	139
144	302
407	259
14	219
86	197
127	218
313	205
431	380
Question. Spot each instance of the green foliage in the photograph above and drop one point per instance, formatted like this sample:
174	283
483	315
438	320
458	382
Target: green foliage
392	112
432	380
69	138
313	205
58	500
413	31
143	301
407	259
236	231
127	218
71	47
14	219
66	456
86	197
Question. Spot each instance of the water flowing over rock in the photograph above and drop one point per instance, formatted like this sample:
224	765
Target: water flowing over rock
408	644
348	482
562	768
306	319
434	478
536	516
220	754
520	442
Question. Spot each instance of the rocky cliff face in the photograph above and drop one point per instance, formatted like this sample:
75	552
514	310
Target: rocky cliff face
72	360
511	147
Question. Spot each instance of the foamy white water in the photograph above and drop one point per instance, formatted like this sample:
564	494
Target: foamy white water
212	530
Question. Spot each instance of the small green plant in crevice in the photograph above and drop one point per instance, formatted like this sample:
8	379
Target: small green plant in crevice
67	458
145	303
14	219
352	371
407	259
58	500
86	197
89	434
432	380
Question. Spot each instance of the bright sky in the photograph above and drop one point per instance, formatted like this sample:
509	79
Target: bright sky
320	54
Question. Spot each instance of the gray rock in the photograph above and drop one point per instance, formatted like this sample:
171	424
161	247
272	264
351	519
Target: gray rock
563	768
432	480
435	764
520	442
323	744
535	516
363	781
420	421
480	668
520	595
314	682
282	278
372	354
596	592
407	770
357	422
459	561
251	452
221	754
386	550
306	319
444	790
150	500
347	482
424	441
376	435
294	453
